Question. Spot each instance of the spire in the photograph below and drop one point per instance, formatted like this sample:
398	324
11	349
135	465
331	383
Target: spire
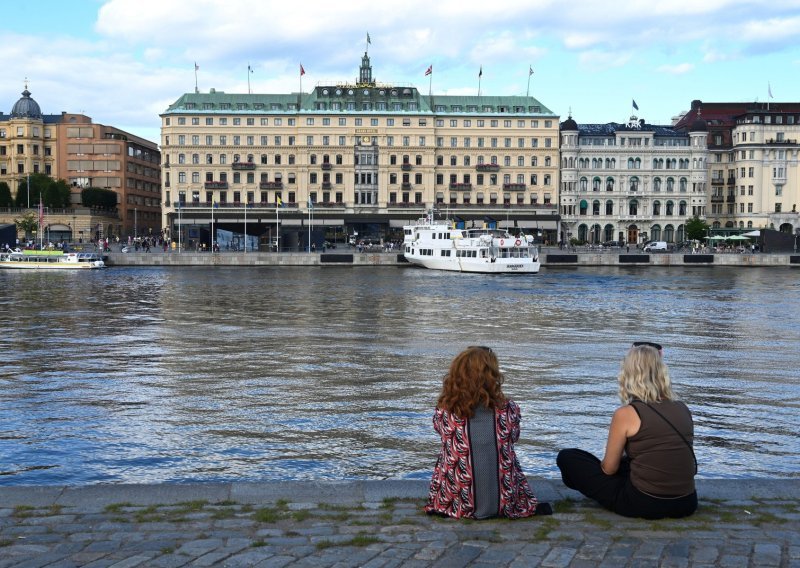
365	72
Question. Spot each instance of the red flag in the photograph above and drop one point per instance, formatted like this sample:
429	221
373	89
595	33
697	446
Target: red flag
302	71
429	70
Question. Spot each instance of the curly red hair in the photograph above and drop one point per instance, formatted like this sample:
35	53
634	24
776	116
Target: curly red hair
474	378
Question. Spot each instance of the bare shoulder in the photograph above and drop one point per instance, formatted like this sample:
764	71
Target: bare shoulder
627	419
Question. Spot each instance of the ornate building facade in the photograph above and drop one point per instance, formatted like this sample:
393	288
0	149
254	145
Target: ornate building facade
753	164
359	158
631	182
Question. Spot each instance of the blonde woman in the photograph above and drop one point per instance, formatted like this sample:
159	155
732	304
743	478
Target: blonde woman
649	466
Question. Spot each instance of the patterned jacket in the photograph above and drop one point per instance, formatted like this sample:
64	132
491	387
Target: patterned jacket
451	492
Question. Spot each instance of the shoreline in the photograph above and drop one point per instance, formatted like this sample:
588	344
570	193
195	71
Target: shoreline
549	257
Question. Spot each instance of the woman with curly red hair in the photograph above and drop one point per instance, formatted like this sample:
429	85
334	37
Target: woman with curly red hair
477	474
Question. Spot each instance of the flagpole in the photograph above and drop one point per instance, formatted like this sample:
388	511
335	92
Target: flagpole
248	78
245	224
277	232
480	76
195	77
530	72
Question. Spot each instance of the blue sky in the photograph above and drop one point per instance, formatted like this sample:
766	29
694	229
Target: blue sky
122	62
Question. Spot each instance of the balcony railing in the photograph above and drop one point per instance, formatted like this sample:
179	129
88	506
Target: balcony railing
406	167
731	198
327	185
461	186
216	185
717	199
514	186
244	165
326	166
717	180
271	185
405	185
488	167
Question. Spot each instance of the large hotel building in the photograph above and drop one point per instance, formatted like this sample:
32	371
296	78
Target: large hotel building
361	158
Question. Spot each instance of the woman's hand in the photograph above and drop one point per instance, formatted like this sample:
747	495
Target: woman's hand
624	424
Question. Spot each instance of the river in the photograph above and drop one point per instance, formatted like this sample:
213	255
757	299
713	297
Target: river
148	375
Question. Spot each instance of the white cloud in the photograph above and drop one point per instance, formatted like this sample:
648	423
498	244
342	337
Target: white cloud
679	69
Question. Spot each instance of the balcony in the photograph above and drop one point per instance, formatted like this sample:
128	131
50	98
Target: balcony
326	166
216	185
488	167
731	180
406	167
461	186
717	199
327	185
165	165
717	181
270	185
243	165
774	141
405	185
731	198
514	187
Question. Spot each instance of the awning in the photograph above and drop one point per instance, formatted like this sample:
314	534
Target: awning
584	204
755	233
542	225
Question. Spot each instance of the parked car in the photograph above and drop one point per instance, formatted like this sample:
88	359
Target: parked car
612	244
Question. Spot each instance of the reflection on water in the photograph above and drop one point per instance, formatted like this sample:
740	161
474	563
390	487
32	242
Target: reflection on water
158	375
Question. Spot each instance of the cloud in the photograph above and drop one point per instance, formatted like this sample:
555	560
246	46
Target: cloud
679	69
598	60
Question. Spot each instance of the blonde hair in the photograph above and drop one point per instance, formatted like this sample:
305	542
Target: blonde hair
644	376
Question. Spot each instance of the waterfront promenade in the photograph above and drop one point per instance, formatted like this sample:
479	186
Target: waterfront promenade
381	524
549	257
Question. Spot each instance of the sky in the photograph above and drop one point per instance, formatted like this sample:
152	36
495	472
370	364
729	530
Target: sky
123	62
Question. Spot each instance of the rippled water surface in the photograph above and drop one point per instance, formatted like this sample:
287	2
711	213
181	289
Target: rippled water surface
178	374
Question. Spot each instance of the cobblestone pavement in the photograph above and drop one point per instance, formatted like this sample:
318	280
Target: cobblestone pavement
381	524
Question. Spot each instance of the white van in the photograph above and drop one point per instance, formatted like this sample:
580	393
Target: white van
656	246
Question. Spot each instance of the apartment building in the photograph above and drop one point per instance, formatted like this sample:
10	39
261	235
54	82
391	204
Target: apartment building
631	182
363	157
71	147
752	165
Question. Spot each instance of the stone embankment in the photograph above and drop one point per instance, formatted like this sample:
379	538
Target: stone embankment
381	524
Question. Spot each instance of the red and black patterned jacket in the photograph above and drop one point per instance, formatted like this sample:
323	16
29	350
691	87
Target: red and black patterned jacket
452	492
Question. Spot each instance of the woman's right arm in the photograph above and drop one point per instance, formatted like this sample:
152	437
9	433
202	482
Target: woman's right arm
624	424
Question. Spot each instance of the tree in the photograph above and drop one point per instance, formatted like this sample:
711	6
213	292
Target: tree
54	194
98	197
5	195
29	223
696	229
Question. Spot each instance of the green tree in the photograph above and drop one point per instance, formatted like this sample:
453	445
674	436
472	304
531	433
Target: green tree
98	197
696	229
28	223
5	195
53	193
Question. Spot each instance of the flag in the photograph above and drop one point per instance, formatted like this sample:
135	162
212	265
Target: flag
769	90
196	66
280	201
302	71
250	69
429	70
530	71
634	104
368	40
310	203
480	73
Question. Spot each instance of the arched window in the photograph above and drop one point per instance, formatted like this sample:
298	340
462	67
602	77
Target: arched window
630	163
670	185
680	234
595	207
547	161
637	164
669	234
749	224
609	211
741	224
583	232
634	183
608	233
655	233
656	210
684	184
715	225
657	185
595	233
682	209
670	209
583	206
596	184
633	207
609	184
584	184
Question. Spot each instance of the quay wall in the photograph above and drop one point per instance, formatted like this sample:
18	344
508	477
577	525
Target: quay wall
549	258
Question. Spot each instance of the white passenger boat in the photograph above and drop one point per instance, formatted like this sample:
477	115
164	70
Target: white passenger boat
49	260
440	246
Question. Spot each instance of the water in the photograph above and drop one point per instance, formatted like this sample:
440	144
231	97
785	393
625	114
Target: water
208	374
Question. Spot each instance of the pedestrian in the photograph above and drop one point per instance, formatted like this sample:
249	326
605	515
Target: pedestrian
649	464
477	474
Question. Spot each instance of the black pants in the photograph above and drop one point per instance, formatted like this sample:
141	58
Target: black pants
581	471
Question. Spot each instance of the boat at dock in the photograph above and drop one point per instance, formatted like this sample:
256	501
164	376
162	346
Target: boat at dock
439	245
49	260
